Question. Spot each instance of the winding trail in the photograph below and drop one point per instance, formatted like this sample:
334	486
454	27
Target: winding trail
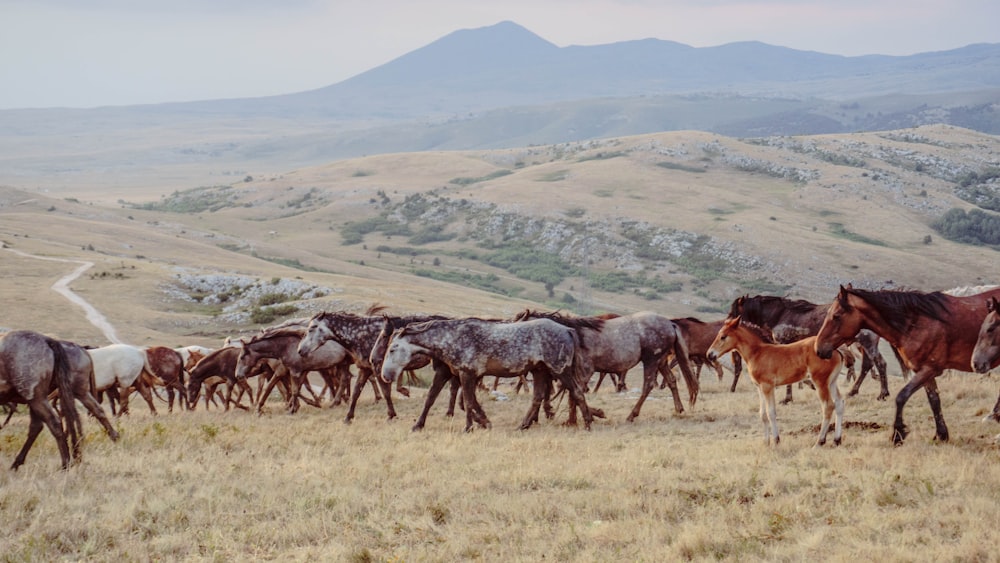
62	287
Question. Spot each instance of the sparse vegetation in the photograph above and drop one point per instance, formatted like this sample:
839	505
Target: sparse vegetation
682	167
840	231
465	181
975	227
196	200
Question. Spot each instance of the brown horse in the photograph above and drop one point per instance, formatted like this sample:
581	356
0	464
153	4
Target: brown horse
932	331
32	364
789	320
772	365
699	336
281	343
216	368
986	354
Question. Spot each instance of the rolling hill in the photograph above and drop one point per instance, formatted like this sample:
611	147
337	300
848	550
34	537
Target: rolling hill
677	222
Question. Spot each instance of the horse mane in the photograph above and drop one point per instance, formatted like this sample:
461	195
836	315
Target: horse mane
899	307
375	309
759	331
576	323
278	331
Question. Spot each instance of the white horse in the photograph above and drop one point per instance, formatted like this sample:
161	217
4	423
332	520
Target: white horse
122	366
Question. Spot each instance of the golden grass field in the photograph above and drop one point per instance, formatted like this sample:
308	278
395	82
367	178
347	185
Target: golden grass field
233	486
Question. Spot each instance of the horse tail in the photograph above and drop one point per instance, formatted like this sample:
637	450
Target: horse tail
73	427
681	353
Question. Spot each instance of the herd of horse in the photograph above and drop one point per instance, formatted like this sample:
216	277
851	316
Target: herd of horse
780	341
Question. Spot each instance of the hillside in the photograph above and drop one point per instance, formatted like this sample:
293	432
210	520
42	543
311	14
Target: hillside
679	222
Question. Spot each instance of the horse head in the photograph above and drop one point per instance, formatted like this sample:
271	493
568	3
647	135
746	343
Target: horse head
987	350
842	323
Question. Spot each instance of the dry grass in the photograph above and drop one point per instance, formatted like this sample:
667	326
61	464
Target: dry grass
700	486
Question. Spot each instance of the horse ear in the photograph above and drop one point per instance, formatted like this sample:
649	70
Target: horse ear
735	321
992	305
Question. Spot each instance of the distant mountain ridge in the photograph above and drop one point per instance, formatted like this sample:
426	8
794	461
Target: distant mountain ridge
503	86
506	65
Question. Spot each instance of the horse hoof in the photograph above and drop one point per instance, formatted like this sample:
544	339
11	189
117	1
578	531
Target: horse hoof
836	441
114	436
993	416
597	413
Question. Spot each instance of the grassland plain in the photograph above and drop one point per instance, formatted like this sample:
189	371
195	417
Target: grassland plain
808	212
229	486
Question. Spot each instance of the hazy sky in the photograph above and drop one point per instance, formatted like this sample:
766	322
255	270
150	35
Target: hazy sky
85	53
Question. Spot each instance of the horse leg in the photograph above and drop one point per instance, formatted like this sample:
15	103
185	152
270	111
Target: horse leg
600	379
387	392
880	365
359	386
473	411
576	395
762	396
95	409
838	406
143	389
543	383
34	428
43	413
919	379
772	416
826	407
671	381
995	415
441	376
788	395
648	381
737	370
866	366
941	429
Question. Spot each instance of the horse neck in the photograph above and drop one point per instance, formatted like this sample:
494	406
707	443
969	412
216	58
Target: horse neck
271	347
748	344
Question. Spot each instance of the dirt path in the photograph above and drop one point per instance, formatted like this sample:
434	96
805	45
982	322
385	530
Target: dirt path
62	287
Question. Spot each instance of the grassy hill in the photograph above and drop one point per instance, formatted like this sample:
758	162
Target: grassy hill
679	222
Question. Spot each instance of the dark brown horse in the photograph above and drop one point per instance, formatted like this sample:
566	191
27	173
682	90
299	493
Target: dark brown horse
32	364
932	332
281	343
789	320
216	368
699	336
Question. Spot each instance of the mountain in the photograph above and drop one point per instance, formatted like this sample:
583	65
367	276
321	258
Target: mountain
507	65
503	86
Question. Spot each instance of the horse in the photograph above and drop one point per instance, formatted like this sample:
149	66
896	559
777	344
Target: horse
622	342
442	373
81	374
699	336
772	365
167	365
932	331
281	343
214	369
122	366
789	320
357	334
474	347
31	365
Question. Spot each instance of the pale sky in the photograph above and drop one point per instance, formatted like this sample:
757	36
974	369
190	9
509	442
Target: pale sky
87	53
